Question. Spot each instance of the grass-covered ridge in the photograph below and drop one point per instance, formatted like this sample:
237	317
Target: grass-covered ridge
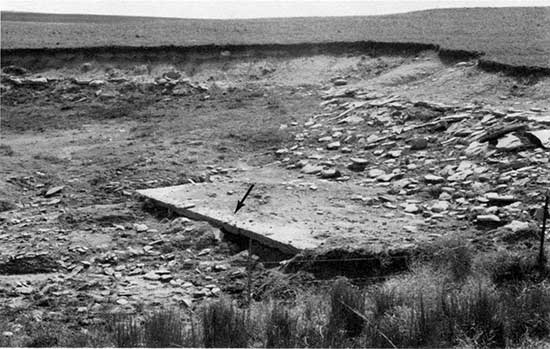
516	36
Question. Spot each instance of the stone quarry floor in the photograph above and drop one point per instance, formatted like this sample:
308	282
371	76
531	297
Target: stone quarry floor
293	214
351	152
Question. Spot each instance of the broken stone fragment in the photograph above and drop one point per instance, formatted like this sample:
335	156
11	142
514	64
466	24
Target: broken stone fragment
330	173
509	143
54	190
445	196
433	179
488	218
518	226
122	301
340	82
374	173
476	149
282	151
301	163
333	145
181	91
541	119
394	153
412	208
140	227
34	81
499	132
497	199
419	143
459	176
96	83
440	206
346	150
166	277
352	120
543	136
153	276
311	169
358	164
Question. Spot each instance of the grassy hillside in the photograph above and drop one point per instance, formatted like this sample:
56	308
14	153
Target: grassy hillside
510	35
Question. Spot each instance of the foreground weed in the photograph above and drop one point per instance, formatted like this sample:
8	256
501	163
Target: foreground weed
223	325
280	328
126	331
163	329
346	305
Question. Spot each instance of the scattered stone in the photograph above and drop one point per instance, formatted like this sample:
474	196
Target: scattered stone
543	136
330	173
122	301
497	199
153	276
489	218
517	226
340	82
412	208
395	153
282	151
540	119
352	120
476	149
374	173
140	228
509	143
311	169
358	164
333	145
500	131
433	179
440	206
54	190
96	83
419	143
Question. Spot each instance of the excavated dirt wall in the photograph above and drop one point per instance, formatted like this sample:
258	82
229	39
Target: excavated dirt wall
43	58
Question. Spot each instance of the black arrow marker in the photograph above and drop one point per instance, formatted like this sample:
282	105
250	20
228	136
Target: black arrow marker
240	203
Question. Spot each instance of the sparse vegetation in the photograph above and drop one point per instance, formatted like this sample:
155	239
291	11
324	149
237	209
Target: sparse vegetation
346	305
280	329
419	308
223	325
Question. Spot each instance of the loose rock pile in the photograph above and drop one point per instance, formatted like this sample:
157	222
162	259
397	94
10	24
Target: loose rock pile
470	162
105	86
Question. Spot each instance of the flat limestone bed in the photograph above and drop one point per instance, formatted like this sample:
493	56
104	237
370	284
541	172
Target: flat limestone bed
290	213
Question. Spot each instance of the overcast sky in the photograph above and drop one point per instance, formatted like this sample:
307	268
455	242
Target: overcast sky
247	8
